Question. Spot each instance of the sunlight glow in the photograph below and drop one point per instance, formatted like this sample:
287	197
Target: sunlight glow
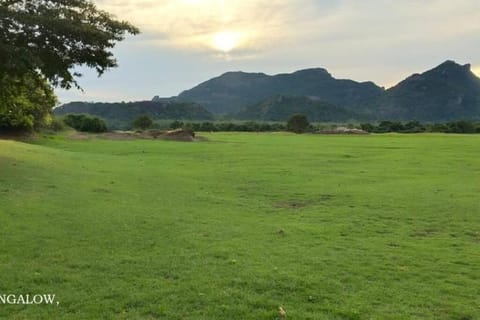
226	41
192	1
476	70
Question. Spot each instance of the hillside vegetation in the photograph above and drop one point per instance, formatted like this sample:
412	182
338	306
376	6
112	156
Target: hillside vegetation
122	114
280	108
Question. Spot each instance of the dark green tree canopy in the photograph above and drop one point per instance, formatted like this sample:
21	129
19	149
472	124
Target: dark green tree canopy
143	122
50	37
298	123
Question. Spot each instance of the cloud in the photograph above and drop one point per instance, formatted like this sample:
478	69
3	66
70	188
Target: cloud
400	21
331	26
193	24
380	40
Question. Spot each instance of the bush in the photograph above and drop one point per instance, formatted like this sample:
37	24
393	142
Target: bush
56	125
82	122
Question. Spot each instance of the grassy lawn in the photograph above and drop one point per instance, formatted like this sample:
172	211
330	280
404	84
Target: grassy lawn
328	227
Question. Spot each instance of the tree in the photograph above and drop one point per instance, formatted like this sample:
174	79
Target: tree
143	122
25	102
176	124
368	127
298	123
41	41
50	37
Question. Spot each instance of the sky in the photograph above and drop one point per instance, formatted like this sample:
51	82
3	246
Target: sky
186	42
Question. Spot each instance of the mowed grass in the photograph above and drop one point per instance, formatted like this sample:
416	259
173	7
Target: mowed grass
328	227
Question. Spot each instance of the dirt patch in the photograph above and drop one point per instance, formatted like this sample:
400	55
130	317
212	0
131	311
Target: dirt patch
326	197
291	204
300	204
79	136
174	135
118	135
343	130
423	233
178	135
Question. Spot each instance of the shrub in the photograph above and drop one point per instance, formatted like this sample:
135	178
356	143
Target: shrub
56	124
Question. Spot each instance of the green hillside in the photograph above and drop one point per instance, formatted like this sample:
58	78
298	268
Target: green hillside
280	108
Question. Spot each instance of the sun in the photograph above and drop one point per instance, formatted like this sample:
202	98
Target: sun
226	41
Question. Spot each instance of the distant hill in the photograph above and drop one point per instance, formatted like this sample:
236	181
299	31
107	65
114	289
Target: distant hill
448	92
126	112
280	108
232	91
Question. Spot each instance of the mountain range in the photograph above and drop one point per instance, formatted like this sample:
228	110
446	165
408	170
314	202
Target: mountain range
232	91
447	92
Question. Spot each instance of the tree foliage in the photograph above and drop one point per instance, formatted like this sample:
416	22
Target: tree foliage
85	123
461	126
249	126
143	122
25	102
41	41
51	37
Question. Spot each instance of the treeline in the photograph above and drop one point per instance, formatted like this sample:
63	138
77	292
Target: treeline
85	123
88	123
461	126
381	127
249	126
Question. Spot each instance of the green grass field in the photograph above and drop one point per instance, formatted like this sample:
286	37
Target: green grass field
328	227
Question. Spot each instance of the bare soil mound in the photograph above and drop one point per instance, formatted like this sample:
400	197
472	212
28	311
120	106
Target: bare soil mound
343	130
179	135
174	135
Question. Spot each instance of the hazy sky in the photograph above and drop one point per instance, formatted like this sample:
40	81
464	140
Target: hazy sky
185	42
